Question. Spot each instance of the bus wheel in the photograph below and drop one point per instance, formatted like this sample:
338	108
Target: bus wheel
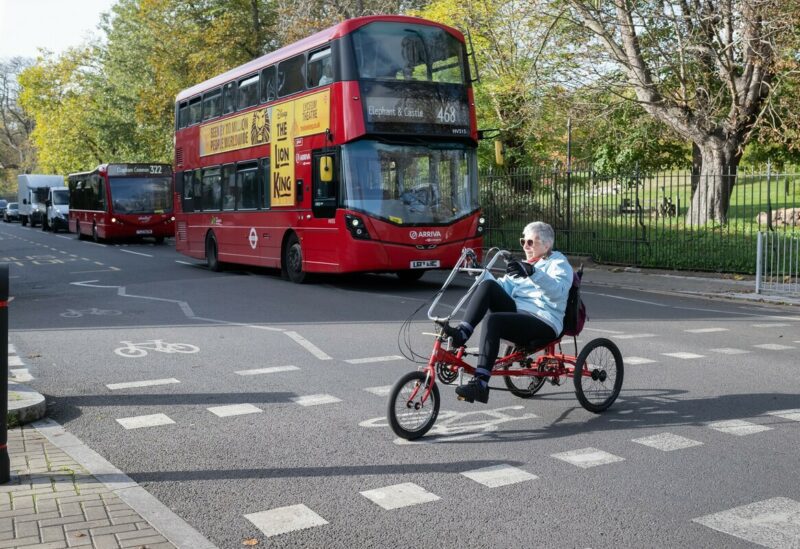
411	275
293	260
211	254
159	240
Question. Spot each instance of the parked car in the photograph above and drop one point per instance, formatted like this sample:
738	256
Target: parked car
11	212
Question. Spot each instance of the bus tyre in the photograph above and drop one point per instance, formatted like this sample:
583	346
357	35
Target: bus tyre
293	260
411	275
159	240
211	254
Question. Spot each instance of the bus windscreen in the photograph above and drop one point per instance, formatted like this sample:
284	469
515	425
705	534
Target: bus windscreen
141	195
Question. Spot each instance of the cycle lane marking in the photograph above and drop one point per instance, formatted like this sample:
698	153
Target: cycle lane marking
144	383
139	422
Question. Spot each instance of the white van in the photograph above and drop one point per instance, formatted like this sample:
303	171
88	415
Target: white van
33	191
57	204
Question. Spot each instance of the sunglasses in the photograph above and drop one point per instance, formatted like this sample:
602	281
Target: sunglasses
529	242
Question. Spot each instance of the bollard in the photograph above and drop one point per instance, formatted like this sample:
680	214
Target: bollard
5	464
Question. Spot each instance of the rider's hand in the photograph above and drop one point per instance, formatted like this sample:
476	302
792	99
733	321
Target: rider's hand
520	269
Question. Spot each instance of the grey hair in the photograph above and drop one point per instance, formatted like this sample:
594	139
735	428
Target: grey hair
543	231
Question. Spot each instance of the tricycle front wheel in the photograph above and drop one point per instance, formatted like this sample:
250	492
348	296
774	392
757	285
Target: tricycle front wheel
410	417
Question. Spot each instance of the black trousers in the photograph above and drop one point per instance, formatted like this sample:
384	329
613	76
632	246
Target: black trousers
502	322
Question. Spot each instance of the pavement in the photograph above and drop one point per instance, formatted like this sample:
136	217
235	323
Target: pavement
63	494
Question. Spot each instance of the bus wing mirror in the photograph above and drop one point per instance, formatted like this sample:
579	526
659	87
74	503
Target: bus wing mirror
326	169
24	200
498	152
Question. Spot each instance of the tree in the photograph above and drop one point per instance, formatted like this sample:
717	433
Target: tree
16	154
707	70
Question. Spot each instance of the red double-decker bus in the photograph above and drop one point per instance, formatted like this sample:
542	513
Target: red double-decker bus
120	201
351	150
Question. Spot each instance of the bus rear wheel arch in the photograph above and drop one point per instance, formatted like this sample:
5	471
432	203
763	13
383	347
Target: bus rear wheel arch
212	253
292	260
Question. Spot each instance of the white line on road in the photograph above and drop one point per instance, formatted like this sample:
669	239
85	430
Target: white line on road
706	330
308	346
399	495
183	262
315	400
135	253
603	331
270	370
65	237
635	336
145	383
627	299
137	422
370	360
499	475
285	519
234	410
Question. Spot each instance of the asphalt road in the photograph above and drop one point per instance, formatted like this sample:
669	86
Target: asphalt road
660	468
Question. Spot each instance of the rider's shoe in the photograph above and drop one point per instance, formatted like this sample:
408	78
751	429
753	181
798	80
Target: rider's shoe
455	334
475	389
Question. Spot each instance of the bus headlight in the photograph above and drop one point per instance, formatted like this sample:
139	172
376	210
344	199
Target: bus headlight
356	227
481	226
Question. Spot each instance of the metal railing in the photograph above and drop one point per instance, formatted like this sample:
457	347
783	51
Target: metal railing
778	264
642	219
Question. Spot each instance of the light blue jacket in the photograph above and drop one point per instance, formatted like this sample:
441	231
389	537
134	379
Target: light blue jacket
544	294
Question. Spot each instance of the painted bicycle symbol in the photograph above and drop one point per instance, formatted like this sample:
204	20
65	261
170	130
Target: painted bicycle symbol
137	350
77	313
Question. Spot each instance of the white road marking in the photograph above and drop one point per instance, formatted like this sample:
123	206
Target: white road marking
15	361
137	422
729	351
184	262
21	375
627	299
774	346
684	356
587	457
270	370
667	442
308	346
380	391
706	330
499	475
771	325
399	495
11	349
315	400
135	253
64	237
234	410
285	519
598	330
634	336
370	360
770	523
633	360
145	383
738	427
793	415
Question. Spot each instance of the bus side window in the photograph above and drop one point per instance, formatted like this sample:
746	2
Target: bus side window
212	104
247	183
183	115
229	98
195	110
291	75
212	192
268	86
229	190
265	186
320	68
248	92
183	186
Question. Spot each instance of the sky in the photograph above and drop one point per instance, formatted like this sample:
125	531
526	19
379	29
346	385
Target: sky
26	25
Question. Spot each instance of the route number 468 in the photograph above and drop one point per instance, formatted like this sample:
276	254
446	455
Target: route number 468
446	114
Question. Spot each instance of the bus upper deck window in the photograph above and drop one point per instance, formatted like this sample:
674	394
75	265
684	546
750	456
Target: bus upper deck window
248	92
319	68
291	75
268	86
195	110
212	104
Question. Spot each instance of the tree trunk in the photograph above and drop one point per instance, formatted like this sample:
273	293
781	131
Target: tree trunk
711	197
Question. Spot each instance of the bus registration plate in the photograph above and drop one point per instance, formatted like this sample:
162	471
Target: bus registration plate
144	231
429	264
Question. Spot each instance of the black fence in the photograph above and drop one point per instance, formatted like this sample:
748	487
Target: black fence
640	219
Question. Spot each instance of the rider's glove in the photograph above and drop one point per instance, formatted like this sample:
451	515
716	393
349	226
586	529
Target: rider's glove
520	269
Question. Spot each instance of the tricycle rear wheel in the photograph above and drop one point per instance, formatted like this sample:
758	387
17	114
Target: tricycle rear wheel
598	375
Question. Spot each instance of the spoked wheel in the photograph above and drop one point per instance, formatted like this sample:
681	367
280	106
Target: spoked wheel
409	417
521	386
598	375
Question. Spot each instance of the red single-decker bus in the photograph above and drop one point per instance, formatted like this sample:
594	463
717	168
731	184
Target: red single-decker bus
122	201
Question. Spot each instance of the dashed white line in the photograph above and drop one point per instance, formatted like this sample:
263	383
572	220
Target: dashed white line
285	519
793	415
144	383
729	351
770	523
315	400
706	330
270	370
234	410
15	361
667	442
499	475
383	390
774	346
135	253
587	457
738	427
399	495
684	356
370	360
138	422
632	360
634	336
